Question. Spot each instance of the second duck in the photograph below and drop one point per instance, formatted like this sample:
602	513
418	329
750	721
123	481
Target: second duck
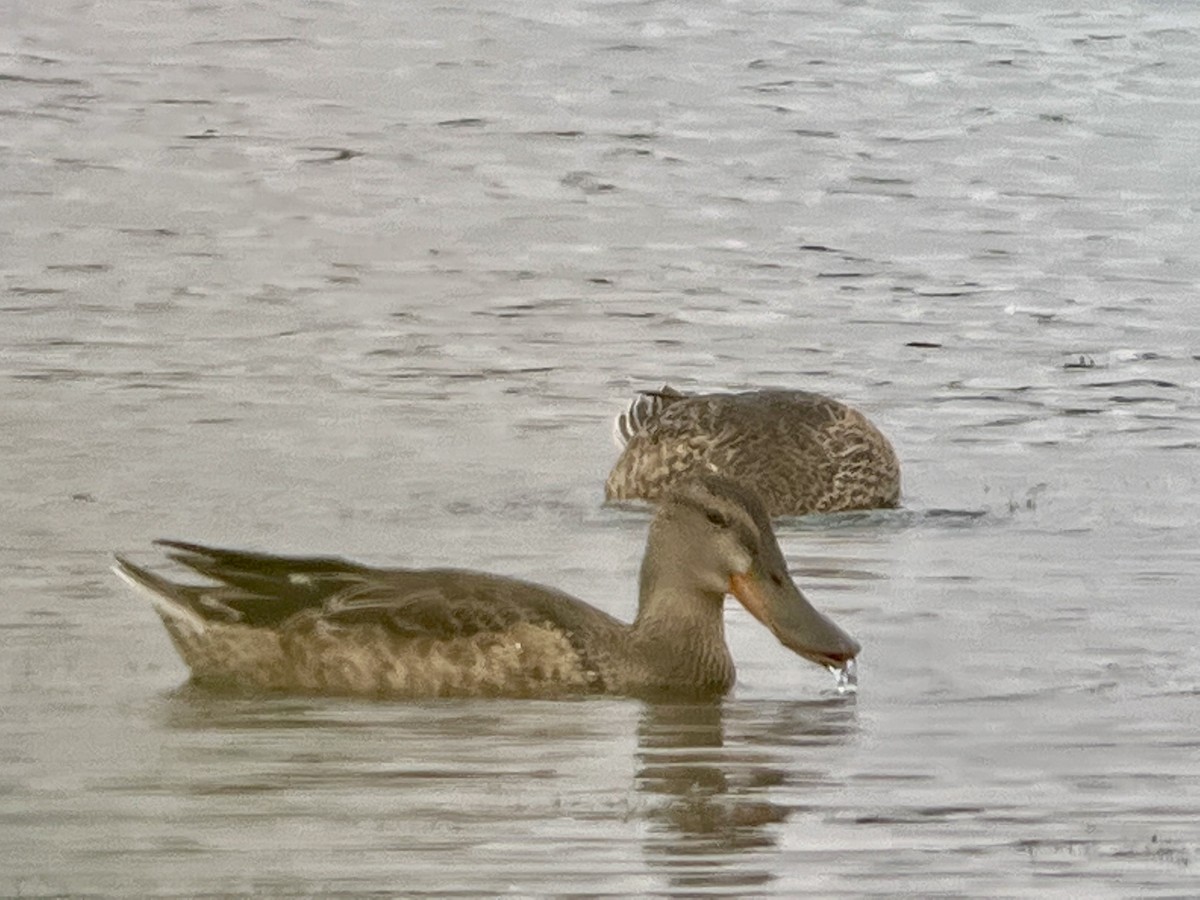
800	452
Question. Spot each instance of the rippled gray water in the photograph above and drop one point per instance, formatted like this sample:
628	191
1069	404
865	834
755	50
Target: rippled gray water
372	278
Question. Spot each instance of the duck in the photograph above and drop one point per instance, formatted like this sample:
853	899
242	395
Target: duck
800	452
329	626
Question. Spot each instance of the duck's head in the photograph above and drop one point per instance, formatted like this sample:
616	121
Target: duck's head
711	537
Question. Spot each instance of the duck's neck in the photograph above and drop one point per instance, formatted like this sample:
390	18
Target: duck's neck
680	630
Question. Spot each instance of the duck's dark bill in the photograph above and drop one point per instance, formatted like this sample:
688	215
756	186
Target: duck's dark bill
792	619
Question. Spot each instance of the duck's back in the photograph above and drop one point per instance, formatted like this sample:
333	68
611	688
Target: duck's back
800	452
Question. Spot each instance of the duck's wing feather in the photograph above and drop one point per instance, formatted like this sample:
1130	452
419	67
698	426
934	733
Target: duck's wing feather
266	590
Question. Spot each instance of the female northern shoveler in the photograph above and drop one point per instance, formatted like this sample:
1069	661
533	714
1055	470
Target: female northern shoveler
800	452
328	626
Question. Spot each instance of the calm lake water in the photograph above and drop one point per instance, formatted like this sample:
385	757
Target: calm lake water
372	278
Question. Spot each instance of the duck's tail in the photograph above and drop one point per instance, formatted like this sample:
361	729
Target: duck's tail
174	603
644	408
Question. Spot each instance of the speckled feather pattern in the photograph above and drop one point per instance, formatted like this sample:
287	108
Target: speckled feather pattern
313	656
800	452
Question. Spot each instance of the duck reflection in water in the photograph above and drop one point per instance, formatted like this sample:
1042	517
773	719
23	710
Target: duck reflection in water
716	772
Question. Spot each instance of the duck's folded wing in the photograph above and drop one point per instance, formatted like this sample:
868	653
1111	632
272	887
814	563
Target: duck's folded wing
447	603
256	589
265	590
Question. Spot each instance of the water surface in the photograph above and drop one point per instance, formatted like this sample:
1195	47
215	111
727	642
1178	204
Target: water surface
372	279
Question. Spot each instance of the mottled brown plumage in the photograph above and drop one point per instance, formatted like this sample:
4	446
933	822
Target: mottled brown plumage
328	626
799	452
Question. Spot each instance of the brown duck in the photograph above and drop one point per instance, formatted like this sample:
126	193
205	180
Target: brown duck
800	452
329	626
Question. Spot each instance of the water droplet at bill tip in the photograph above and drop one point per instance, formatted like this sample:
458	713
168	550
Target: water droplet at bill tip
845	676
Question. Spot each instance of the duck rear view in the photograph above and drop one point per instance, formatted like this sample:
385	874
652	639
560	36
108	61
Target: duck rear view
799	452
329	626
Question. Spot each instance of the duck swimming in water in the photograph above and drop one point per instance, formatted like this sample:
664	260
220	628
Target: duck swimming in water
799	452
329	626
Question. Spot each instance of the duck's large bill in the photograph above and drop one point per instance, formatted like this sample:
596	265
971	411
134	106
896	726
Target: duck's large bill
792	619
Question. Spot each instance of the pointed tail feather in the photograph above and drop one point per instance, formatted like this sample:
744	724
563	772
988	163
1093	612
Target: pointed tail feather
644	408
173	602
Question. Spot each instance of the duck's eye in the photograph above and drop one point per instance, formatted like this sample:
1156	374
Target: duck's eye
718	519
777	579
